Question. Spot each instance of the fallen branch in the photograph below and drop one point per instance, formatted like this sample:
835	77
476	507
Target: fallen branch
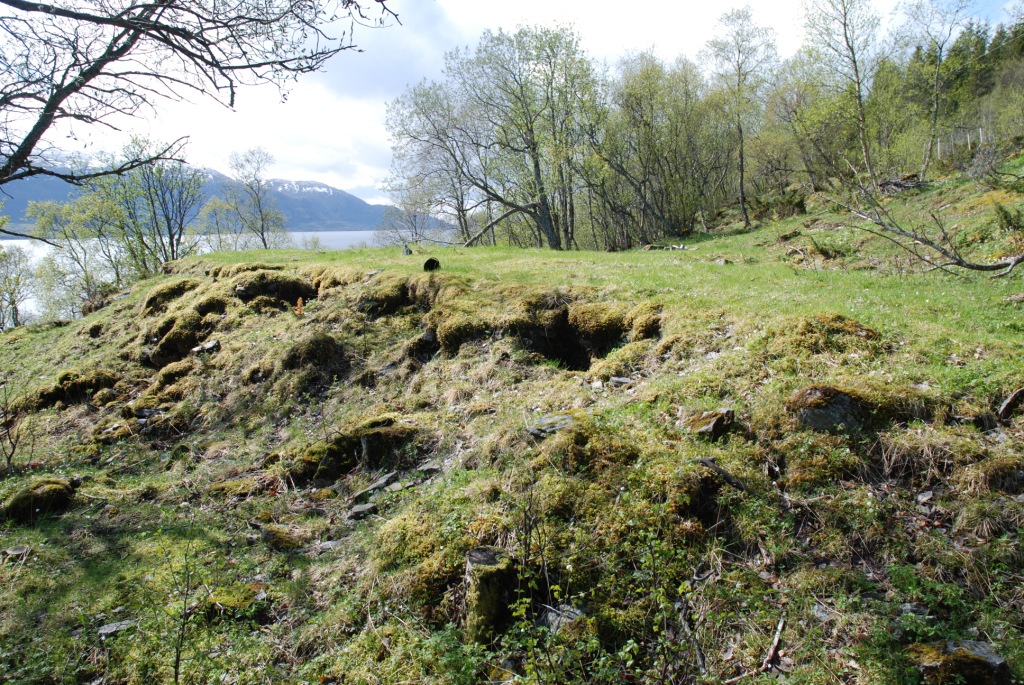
944	253
728	477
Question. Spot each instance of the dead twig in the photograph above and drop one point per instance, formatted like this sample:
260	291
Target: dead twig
728	477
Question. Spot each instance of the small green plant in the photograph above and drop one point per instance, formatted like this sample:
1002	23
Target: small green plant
1010	220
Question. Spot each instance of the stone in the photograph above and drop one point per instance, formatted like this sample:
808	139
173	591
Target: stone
711	424
208	347
330	545
429	468
112	628
557	618
489	578
1010	404
361	511
620	381
549	425
379	484
826	410
966	661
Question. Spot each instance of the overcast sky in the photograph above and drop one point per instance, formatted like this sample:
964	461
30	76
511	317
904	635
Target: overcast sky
331	127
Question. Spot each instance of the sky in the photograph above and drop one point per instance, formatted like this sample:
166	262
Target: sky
331	126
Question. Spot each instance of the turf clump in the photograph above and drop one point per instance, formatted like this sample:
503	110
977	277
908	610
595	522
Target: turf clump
40	498
73	386
173	338
280	287
162	295
375	444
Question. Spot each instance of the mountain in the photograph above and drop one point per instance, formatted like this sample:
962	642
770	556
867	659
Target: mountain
307	205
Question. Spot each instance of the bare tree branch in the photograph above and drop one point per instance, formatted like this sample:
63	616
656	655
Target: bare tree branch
89	61
939	252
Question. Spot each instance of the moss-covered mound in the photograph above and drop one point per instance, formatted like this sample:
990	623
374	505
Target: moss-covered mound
40	498
72	386
279	286
159	297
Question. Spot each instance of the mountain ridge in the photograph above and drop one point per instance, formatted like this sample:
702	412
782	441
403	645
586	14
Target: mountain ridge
307	205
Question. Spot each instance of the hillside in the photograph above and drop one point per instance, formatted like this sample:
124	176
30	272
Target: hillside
307	205
777	453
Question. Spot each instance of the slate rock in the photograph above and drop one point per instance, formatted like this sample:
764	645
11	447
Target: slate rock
826	410
557	618
549	425
966	661
489	579
711	424
361	511
379	484
112	628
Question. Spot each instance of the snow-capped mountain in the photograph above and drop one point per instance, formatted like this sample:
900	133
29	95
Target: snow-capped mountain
307	205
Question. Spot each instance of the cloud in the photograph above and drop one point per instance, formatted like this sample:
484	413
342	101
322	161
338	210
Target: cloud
331	127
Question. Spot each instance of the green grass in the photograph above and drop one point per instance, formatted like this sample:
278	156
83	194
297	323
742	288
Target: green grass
614	515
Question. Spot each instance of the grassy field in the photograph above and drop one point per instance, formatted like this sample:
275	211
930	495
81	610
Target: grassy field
693	499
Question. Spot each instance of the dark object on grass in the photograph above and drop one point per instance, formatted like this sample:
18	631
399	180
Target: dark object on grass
406	251
431	265
1008	407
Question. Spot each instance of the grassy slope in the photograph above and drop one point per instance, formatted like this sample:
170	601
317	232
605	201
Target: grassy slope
201	524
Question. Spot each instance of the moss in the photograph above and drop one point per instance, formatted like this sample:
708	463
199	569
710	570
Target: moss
234	269
159	297
73	386
104	397
280	287
212	304
318	350
239	600
174	372
325	277
375	444
282	538
821	334
811	461
384	296
643	321
490	575
600	326
40	498
621	362
944	663
173	338
586	445
459	329
239	487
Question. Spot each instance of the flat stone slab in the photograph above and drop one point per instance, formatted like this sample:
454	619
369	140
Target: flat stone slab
379	484
549	425
361	511
112	628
